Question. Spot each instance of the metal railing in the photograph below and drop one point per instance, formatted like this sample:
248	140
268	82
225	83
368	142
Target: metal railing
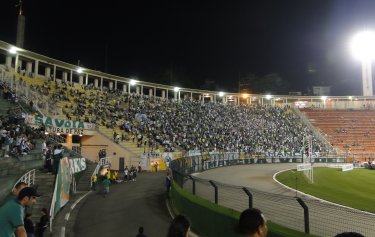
52	207
315	131
302	213
28	178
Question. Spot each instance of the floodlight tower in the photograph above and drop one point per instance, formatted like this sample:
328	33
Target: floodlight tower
363	48
20	26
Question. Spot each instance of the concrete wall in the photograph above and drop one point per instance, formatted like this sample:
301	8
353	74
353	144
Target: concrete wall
91	145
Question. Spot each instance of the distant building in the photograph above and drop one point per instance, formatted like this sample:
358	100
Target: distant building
296	93
208	85
321	90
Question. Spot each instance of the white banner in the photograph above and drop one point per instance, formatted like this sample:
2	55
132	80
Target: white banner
303	167
347	167
77	165
143	161
55	122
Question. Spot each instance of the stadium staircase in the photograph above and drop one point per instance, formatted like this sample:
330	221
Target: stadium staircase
44	183
83	183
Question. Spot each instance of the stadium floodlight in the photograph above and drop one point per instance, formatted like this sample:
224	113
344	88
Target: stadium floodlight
133	82
79	70
363	48
176	89
363	45
221	94
13	50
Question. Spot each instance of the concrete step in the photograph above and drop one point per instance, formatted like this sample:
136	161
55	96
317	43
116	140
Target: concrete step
84	182
45	184
5	165
22	166
30	156
6	185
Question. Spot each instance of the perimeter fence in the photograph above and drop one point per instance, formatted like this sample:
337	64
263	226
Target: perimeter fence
302	213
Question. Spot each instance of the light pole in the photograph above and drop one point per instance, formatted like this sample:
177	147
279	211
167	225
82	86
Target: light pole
132	82
363	48
20	26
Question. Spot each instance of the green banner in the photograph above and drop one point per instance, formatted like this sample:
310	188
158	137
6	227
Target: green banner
58	123
63	180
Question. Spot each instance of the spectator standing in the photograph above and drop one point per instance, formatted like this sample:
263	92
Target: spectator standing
168	182
29	225
57	155
16	190
179	227
106	183
126	173
49	161
44	148
134	174
156	166
252	223
43	223
140	232
94	181
11	213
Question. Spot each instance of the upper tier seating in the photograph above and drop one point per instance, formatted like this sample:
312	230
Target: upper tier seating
178	124
350	131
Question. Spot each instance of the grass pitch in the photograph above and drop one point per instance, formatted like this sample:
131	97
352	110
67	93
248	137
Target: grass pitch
354	188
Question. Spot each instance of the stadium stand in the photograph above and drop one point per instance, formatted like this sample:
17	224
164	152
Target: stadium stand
349	131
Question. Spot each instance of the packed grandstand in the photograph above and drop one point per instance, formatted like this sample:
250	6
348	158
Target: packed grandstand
167	125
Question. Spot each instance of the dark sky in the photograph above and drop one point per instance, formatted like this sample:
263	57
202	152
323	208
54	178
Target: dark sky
200	40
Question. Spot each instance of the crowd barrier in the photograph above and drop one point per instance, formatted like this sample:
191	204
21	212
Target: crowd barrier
301	213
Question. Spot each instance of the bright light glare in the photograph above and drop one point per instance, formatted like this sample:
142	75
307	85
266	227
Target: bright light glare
176	89
324	98
245	96
221	94
13	50
132	82
363	45
79	70
268	97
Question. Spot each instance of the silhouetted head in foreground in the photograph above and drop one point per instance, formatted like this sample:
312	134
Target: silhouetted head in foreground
349	234
179	227
252	223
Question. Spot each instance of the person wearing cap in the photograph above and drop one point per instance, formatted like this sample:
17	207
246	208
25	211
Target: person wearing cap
12	213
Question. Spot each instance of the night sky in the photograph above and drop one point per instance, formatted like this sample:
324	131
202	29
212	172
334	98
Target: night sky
303	41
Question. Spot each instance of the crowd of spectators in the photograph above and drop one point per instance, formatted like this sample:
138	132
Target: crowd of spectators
16	137
185	124
193	125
